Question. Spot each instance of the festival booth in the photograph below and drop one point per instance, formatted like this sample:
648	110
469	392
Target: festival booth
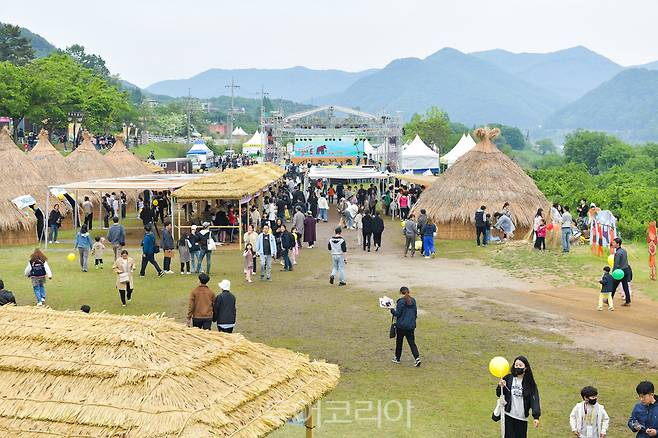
418	157
239	132
255	145
242	185
483	176
71	374
463	146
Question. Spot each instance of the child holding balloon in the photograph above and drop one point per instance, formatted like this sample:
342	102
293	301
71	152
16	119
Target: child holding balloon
607	287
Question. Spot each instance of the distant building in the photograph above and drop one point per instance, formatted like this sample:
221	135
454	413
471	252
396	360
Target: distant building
217	128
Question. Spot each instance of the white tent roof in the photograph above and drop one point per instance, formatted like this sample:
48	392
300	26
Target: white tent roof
417	155
465	144
199	149
255	140
346	173
239	131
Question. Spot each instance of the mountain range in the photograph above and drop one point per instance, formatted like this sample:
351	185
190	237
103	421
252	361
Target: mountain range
543	92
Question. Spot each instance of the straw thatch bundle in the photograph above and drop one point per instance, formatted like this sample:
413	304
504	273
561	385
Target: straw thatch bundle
232	183
483	176
53	167
125	163
153	168
86	163
19	177
100	375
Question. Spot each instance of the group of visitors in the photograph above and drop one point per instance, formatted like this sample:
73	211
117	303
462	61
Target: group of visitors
204	307
423	227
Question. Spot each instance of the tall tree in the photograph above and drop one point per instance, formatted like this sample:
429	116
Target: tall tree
14	95
13	47
546	146
433	128
585	147
88	60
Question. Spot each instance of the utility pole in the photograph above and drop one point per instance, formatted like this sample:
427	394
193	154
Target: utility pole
231	111
263	93
189	95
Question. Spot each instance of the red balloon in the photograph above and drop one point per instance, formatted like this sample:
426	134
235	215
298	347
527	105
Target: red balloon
549	226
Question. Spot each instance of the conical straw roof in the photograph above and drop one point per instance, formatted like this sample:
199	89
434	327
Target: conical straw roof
101	375
19	177
86	163
124	161
483	176
52	165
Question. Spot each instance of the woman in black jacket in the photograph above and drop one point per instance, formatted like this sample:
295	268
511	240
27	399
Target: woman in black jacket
405	313
366	231
377	230
521	395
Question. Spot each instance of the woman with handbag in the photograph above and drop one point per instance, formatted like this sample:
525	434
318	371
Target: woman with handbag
405	314
124	267
206	246
520	393
167	244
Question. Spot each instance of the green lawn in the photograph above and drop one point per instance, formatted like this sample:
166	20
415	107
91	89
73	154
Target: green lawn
161	150
451	395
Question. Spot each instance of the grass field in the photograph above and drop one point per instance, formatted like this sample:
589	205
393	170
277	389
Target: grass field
161	150
451	395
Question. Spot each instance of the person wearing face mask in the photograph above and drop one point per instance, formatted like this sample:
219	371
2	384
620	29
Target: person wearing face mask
521	395
588	418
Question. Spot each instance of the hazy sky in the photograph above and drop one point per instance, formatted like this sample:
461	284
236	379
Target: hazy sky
147	40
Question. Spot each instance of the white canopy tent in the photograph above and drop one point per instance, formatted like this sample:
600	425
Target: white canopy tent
351	172
239	131
371	152
254	145
418	157
465	144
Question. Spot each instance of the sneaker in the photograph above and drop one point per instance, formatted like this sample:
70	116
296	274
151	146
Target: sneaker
599	308
269	279
331	279
182	273
56	241
262	278
123	305
342	283
417	364
626	304
160	274
39	303
395	360
50	241
612	309
427	257
130	299
188	273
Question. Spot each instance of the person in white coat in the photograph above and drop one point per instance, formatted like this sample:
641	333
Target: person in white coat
588	418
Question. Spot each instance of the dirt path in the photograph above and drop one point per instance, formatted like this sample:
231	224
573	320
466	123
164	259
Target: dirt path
569	311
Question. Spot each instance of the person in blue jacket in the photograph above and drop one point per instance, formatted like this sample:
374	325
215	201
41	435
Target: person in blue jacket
148	252
644	418
405	313
83	244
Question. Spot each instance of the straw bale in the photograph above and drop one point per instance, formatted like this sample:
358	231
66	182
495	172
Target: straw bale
53	167
72	374
125	163
232	183
87	163
483	176
20	177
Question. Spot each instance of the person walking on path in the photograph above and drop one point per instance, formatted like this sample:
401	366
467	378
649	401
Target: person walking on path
377	230
224	312
409	231
167	244
124	266
88	211
429	231
480	227
250	237
287	244
310	235
323	209
83	244
405	314
148	252
200	304
195	251
644	418
521	396
249	260
566	222
422	220
54	222
366	230
184	246
37	270
298	219
621	262
266	249
116	235
338	248
607	287
204	239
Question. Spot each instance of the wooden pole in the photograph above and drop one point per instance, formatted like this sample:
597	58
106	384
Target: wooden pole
309	423
240	223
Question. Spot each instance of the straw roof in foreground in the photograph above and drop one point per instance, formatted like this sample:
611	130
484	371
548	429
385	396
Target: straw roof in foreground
19	177
483	176
87	163
125	163
91	375
232	183
52	165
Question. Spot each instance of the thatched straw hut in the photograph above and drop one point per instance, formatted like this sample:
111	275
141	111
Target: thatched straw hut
100	375
126	164
87	163
483	176
19	177
52	165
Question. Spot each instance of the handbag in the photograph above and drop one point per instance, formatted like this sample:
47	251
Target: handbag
392	332
211	244
169	253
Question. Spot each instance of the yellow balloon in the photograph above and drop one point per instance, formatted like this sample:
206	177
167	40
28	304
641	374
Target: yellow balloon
611	260
499	367
402	224
70	257
60	197
155	202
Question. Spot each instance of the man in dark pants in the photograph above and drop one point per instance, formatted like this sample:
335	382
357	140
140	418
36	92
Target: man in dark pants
366	231
377	230
148	252
200	305
480	227
224	313
621	262
287	243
